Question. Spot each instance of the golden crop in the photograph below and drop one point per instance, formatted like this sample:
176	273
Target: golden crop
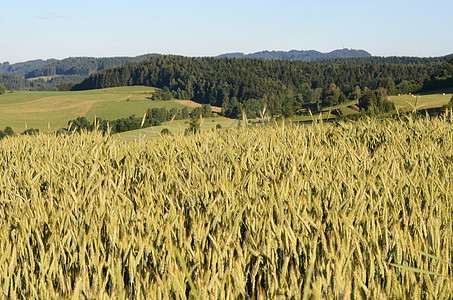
314	212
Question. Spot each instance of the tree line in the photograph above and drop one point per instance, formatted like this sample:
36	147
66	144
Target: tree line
61	83
22	68
8	131
83	65
304	55
281	86
65	73
394	60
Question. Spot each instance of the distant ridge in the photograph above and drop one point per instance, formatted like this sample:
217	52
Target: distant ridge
304	55
82	66
62	74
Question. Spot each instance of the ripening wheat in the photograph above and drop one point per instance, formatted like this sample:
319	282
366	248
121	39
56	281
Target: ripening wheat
317	211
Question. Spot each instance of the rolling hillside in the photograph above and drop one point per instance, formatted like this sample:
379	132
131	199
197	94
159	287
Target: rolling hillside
49	111
304	55
48	74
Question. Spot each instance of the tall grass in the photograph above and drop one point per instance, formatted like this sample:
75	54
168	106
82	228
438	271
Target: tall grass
320	211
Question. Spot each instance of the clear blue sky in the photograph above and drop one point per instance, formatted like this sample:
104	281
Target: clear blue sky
61	28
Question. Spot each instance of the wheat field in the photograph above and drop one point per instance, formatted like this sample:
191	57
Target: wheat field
317	212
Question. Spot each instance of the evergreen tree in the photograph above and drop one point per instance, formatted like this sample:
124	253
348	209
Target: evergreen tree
368	99
2	89
185	113
331	95
194	126
356	93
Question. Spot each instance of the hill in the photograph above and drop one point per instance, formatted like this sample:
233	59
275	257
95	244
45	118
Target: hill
17	83
282	86
41	109
22	68
396	60
83	65
304	55
57	72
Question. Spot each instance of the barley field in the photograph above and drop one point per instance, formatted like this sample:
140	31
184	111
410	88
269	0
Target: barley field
340	211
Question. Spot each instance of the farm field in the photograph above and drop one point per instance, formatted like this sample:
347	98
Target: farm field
425	100
316	212
176	127
37	109
403	102
326	113
46	78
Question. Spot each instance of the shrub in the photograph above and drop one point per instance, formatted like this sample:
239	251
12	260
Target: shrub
2	89
8	131
194	126
31	131
165	131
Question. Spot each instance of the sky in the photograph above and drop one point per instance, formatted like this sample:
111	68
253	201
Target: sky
31	29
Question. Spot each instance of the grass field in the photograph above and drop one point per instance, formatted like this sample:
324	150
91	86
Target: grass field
41	109
38	109
282	212
425	100
176	127
403	102
46	78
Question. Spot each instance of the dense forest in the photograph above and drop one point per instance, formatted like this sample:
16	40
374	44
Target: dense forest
22	68
83	65
304	55
17	83
282	86
394	60
61	74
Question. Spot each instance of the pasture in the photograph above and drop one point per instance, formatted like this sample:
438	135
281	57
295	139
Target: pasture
422	101
49	111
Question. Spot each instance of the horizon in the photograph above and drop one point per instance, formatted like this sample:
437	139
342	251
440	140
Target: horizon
200	28
245	53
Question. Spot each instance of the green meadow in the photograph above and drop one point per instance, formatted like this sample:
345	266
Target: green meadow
49	111
176	127
422	101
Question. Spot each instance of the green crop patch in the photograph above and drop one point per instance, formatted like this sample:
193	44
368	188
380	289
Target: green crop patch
49	111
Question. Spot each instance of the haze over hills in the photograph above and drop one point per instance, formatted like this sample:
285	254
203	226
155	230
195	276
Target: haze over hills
68	66
50	74
304	55
22	68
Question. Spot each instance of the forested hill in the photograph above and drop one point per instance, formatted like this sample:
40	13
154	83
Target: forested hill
17	83
304	55
398	60
60	73
236	83
83	65
68	66
22	68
